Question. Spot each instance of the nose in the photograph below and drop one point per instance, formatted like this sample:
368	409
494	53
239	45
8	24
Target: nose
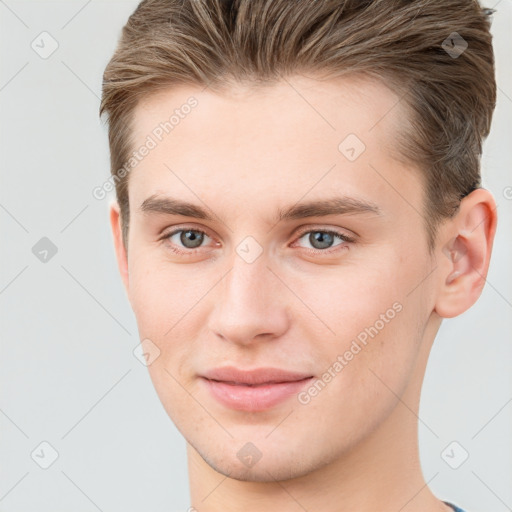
250	304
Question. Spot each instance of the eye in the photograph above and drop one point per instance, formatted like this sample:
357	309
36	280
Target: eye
185	240
320	239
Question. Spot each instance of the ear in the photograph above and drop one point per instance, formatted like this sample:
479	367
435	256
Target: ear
122	258
464	253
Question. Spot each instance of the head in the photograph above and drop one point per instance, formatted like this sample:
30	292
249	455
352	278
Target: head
276	121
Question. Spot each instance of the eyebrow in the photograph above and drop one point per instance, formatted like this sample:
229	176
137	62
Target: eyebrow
331	206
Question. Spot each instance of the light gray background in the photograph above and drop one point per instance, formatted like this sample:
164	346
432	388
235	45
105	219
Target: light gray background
68	375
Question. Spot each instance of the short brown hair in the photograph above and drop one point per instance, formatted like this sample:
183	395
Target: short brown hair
406	44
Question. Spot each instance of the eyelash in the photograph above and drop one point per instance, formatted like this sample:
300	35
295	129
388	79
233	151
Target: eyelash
342	236
336	234
189	252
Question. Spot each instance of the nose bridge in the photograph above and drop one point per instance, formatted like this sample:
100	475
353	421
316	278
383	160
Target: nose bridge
245	305
247	282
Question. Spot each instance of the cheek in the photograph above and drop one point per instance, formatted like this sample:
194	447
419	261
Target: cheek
349	299
163	303
162	306
161	293
368	365
377	316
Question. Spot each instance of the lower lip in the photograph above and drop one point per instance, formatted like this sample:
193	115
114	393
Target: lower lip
254	398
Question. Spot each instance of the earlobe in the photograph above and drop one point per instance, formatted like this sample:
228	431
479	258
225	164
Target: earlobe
464	254
120	249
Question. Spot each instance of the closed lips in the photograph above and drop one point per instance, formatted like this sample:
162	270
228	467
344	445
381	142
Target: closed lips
255	377
253	390
232	383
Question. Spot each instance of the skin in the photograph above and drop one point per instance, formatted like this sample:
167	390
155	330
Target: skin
246	154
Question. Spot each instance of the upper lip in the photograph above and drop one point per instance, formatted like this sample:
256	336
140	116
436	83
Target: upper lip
256	376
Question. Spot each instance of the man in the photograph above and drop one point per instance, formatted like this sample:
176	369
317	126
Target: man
298	208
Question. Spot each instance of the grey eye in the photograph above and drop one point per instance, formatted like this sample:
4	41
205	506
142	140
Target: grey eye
188	238
319	239
191	239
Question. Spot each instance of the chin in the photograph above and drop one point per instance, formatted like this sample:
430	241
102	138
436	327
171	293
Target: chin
263	471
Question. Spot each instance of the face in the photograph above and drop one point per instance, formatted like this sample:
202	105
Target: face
310	257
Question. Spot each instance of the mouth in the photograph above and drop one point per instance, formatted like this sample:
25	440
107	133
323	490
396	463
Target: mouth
264	375
254	385
254	397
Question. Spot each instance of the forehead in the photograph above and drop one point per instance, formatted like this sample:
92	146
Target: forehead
300	105
298	136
